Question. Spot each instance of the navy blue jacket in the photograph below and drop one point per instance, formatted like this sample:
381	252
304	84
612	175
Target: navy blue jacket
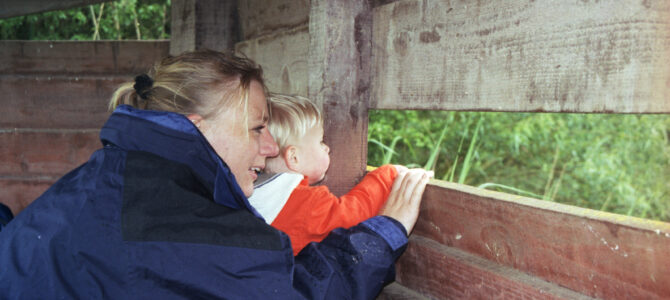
156	214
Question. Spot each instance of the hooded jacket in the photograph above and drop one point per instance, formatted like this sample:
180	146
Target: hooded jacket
156	214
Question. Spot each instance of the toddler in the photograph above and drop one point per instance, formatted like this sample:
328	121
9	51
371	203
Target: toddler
284	194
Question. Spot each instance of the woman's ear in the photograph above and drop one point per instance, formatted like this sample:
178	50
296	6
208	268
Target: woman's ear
290	156
196	119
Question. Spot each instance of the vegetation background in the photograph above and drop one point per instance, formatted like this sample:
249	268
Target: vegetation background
616	163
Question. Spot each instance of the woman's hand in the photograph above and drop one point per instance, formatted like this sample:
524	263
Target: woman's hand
405	197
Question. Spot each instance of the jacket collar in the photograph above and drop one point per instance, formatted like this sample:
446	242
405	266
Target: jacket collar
173	137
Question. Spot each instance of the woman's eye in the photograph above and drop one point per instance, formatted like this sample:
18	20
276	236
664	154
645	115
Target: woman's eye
259	129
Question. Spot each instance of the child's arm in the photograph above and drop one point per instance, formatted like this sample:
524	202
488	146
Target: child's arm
313	212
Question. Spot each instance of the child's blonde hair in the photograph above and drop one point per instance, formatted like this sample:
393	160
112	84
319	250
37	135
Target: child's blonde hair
291	117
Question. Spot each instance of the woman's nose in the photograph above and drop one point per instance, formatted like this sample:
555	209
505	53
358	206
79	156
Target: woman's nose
269	147
327	149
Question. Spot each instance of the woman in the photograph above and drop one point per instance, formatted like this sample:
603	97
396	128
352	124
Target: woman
161	211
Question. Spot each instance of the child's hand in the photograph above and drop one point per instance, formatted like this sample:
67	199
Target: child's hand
405	197
401	169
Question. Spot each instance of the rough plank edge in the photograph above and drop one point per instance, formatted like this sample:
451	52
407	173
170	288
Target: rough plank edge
14	8
484	279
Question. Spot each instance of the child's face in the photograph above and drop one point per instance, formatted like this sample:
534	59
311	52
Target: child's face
313	155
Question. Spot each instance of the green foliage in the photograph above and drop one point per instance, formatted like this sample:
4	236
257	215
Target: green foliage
118	20
616	163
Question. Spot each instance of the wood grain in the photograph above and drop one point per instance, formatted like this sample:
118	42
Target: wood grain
284	58
339	81
198	24
263	17
102	58
599	254
523	55
441	272
13	8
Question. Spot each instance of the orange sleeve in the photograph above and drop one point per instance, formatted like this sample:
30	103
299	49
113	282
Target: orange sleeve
311	212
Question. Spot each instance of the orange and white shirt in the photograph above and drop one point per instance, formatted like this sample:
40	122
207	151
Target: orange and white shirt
309	213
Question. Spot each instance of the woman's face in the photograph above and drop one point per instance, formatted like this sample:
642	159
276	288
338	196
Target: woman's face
243	148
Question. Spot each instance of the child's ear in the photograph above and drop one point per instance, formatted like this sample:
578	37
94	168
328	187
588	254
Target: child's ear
291	158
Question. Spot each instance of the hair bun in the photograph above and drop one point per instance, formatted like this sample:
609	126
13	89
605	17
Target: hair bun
143	84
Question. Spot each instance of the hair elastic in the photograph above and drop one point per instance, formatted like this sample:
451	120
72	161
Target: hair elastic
143	84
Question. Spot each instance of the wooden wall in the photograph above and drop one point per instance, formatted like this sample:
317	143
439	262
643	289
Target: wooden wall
351	56
510	55
54	102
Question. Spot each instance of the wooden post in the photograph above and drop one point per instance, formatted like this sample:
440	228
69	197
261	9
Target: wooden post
198	24
339	81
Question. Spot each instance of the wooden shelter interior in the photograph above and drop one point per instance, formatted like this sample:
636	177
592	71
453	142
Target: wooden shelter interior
585	56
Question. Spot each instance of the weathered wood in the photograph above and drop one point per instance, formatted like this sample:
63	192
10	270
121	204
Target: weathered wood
52	153
339	80
84	58
17	193
519	55
596	253
283	56
56	101
261	17
198	24
395	291
13	8
441	272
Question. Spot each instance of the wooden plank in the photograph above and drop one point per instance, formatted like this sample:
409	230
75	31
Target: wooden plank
339	81
84	58
518	55
22	151
13	8
198	24
596	253
395	291
17	193
56	102
261	17
441	272
283	56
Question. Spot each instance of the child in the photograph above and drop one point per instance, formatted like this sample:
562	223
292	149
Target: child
284	195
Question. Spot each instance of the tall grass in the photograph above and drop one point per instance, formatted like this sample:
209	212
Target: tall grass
616	163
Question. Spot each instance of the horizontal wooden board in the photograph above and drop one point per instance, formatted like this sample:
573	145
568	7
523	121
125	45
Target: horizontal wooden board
13	8
261	17
80	57
17	193
284	58
28	152
596	253
519	55
441	272
395	291
56	101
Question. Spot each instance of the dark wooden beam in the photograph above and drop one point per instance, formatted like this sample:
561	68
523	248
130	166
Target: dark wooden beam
14	8
198	24
339	80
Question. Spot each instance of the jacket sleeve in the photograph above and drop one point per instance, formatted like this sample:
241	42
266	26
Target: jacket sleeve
352	263
311	213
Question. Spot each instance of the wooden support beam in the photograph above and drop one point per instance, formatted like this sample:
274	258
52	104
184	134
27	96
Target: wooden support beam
599	254
339	81
516	55
14	8
198	24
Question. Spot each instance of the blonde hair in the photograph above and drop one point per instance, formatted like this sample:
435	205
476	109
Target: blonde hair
291	117
203	82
